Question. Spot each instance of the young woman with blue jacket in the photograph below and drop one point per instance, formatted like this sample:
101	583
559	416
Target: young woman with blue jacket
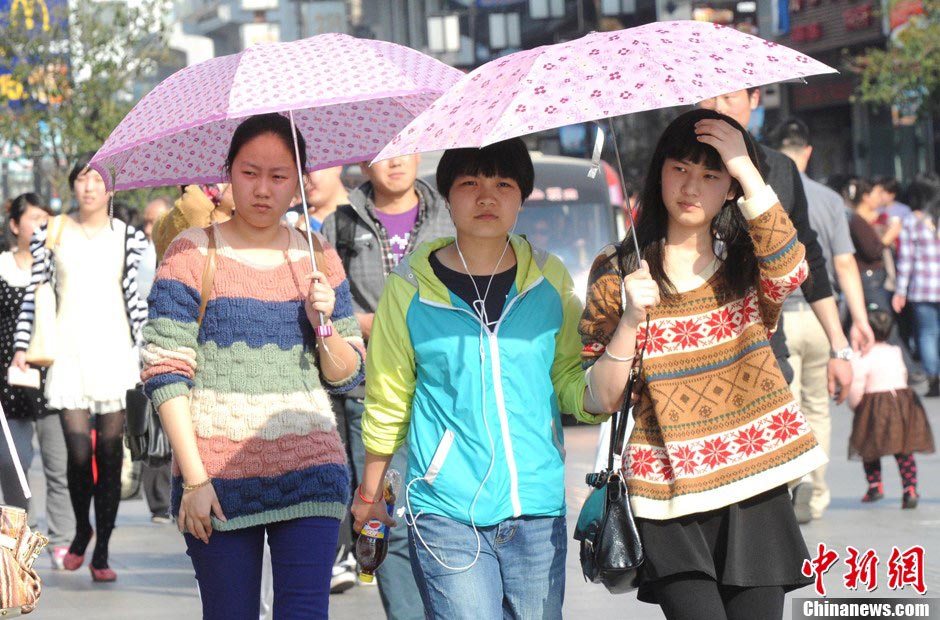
474	355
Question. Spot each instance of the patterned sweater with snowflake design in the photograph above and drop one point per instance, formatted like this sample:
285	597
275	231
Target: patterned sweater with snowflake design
260	407
716	422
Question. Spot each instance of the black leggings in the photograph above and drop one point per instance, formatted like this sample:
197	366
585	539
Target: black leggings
696	596
109	454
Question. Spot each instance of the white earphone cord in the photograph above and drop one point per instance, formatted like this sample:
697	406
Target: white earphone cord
412	519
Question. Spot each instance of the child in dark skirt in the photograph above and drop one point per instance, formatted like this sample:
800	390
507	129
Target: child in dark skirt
889	417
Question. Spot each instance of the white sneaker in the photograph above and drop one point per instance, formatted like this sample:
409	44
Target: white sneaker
802	493
58	557
342	579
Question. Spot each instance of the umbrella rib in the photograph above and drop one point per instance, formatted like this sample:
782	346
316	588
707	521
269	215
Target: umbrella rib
488	137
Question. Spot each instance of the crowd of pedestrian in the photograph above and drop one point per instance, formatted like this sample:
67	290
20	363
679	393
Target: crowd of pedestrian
455	346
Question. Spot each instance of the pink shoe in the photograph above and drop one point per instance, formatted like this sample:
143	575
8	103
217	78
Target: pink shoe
102	575
72	561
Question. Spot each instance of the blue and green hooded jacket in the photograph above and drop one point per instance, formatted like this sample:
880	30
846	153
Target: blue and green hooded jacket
475	404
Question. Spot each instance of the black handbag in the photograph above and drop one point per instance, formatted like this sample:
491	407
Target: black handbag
143	432
145	437
611	550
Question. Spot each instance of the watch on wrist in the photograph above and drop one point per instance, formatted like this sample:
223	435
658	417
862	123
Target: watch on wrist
842	354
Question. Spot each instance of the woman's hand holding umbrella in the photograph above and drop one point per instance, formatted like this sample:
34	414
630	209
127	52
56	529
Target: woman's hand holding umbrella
320	299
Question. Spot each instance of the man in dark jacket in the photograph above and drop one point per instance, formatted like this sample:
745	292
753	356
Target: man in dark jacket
386	218
781	174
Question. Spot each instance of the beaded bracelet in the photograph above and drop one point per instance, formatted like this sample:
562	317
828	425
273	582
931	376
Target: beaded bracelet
363	497
192	487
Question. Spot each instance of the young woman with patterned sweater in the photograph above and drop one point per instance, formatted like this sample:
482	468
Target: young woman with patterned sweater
718	434
244	393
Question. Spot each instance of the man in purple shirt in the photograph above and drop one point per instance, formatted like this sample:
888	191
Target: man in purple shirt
387	217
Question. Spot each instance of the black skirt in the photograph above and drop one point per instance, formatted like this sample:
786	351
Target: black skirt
755	542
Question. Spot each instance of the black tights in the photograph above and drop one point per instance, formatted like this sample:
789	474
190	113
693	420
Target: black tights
109	454
696	596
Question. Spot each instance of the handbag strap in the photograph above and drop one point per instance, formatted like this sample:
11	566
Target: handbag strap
621	418
53	238
14	454
208	273
319	254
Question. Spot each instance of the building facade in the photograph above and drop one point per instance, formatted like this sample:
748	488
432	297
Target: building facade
850	136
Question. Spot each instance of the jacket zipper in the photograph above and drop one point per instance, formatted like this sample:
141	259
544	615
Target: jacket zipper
498	390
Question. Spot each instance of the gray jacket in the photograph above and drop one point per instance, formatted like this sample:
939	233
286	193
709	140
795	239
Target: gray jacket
354	232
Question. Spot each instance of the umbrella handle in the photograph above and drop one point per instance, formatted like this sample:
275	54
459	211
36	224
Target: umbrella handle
322	330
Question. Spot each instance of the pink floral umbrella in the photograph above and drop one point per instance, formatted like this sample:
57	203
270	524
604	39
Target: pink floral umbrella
600	75
349	97
603	74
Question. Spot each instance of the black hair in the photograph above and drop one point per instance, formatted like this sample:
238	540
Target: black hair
509	159
21	203
679	141
81	163
855	188
260	124
881	323
126	213
790	134
890	184
924	195
837	182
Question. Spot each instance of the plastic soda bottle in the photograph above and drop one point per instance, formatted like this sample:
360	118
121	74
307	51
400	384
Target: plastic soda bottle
372	545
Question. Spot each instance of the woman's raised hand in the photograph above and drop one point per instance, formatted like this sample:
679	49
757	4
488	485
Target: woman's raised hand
729	142
320	299
642	295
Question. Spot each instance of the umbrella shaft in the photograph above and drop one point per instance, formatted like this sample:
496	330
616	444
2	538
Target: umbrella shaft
623	190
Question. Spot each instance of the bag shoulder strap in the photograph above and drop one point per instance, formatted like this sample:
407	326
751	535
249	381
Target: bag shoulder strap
319	254
208	273
53	237
345	228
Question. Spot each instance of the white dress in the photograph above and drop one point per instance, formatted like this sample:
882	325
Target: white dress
95	360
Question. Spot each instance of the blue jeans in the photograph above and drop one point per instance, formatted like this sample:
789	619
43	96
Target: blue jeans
519	574
228	569
397	587
927	315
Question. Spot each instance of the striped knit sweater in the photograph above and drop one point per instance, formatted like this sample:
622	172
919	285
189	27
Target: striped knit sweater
44	271
716	422
260	408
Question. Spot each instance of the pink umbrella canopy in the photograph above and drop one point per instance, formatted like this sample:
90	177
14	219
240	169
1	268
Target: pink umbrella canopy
603	74
349	97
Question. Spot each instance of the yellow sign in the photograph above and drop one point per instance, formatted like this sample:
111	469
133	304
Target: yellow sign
29	8
10	88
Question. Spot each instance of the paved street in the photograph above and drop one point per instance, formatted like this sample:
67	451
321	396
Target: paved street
155	576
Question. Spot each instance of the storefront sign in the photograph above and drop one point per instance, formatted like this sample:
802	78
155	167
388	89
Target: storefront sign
858	17
805	33
43	85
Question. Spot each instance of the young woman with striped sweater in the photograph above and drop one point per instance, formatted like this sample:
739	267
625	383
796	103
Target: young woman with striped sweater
718	435
92	262
244	393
